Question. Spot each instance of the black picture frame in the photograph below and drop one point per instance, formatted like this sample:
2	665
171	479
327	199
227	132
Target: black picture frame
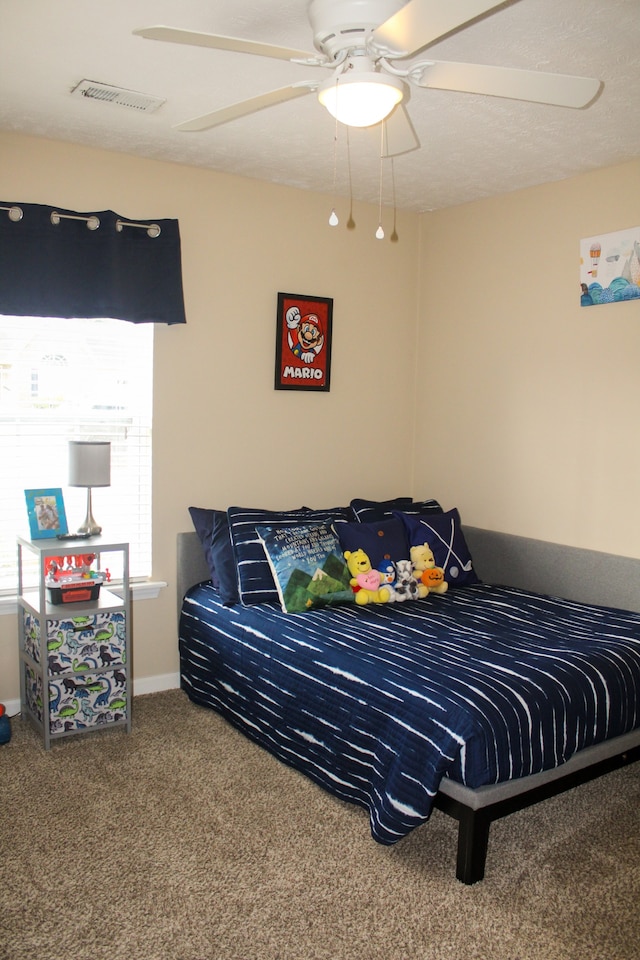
304	333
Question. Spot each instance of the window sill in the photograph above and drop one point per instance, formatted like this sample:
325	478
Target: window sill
144	590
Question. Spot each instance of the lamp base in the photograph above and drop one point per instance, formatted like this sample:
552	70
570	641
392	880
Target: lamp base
89	528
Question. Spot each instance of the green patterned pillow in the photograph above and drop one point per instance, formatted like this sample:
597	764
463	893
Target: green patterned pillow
307	565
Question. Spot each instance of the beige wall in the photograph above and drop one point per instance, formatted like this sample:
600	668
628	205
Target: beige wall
526	406
222	434
530	404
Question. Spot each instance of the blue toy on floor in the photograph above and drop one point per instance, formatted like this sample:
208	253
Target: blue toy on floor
5	725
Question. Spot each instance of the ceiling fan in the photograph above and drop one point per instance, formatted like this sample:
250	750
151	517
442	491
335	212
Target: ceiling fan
361	42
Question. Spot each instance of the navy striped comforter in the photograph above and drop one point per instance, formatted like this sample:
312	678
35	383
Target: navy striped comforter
378	703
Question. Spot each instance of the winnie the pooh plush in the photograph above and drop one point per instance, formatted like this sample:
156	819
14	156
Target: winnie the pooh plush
365	581
425	570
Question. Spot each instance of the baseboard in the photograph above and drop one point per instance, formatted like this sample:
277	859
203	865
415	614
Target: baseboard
12	707
166	681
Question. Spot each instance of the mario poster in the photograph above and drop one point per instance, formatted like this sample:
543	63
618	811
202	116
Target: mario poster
303	342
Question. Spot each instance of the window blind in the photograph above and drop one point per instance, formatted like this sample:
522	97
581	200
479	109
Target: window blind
76	379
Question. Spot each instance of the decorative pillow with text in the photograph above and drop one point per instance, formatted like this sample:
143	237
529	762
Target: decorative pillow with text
307	565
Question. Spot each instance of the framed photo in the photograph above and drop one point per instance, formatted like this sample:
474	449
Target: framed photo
303	342
47	517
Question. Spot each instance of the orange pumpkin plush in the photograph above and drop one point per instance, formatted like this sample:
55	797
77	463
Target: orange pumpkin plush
424	566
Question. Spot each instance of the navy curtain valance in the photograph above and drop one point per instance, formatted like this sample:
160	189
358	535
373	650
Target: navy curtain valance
60	263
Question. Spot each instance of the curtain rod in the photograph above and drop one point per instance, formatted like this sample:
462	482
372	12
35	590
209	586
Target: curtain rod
153	229
93	222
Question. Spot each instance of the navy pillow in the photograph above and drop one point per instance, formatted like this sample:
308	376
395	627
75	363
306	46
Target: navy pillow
444	535
384	540
203	522
254	576
422	507
367	511
213	529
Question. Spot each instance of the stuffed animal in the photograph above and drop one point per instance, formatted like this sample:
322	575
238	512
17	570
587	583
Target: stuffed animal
406	586
387	571
425	570
365	581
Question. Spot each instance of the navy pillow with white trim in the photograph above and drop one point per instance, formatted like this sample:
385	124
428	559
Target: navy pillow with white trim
443	533
255	578
370	511
422	508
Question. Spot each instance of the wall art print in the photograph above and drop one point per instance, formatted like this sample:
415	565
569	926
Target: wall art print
610	267
304	330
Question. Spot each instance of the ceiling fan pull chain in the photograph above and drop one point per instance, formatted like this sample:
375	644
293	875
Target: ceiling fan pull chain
333	216
380	231
394	235
351	224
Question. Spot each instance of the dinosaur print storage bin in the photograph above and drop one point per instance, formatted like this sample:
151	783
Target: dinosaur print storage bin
87	700
86	681
79	701
78	643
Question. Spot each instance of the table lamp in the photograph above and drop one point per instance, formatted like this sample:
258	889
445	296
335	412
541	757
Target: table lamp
89	466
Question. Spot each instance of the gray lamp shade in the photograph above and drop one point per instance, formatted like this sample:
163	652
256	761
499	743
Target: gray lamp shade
89	463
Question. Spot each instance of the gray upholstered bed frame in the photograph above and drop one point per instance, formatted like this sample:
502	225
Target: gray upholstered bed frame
585	575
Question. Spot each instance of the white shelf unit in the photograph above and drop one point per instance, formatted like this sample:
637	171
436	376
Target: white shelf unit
75	658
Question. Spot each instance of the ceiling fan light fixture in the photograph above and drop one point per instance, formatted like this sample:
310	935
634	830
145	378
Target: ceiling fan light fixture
361	99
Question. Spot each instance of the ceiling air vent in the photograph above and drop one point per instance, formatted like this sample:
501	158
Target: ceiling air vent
93	90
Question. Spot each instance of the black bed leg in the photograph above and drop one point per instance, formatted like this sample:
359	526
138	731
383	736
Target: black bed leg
473	840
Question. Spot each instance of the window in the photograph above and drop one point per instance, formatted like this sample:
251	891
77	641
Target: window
64	380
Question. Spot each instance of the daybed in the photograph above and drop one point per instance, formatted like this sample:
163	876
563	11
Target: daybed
355	698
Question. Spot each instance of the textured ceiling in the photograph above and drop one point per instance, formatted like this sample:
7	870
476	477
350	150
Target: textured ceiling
472	146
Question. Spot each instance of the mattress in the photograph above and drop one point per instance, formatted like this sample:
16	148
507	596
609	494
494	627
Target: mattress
377	704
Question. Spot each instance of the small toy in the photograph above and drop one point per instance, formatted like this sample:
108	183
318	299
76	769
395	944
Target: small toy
407	587
387	571
70	579
366	582
74	567
424	569
5	725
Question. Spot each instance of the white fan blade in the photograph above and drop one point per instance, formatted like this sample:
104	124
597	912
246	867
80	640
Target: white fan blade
513	84
421	22
245	107
196	39
399	135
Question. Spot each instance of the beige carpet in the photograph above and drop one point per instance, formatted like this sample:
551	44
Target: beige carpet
184	841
